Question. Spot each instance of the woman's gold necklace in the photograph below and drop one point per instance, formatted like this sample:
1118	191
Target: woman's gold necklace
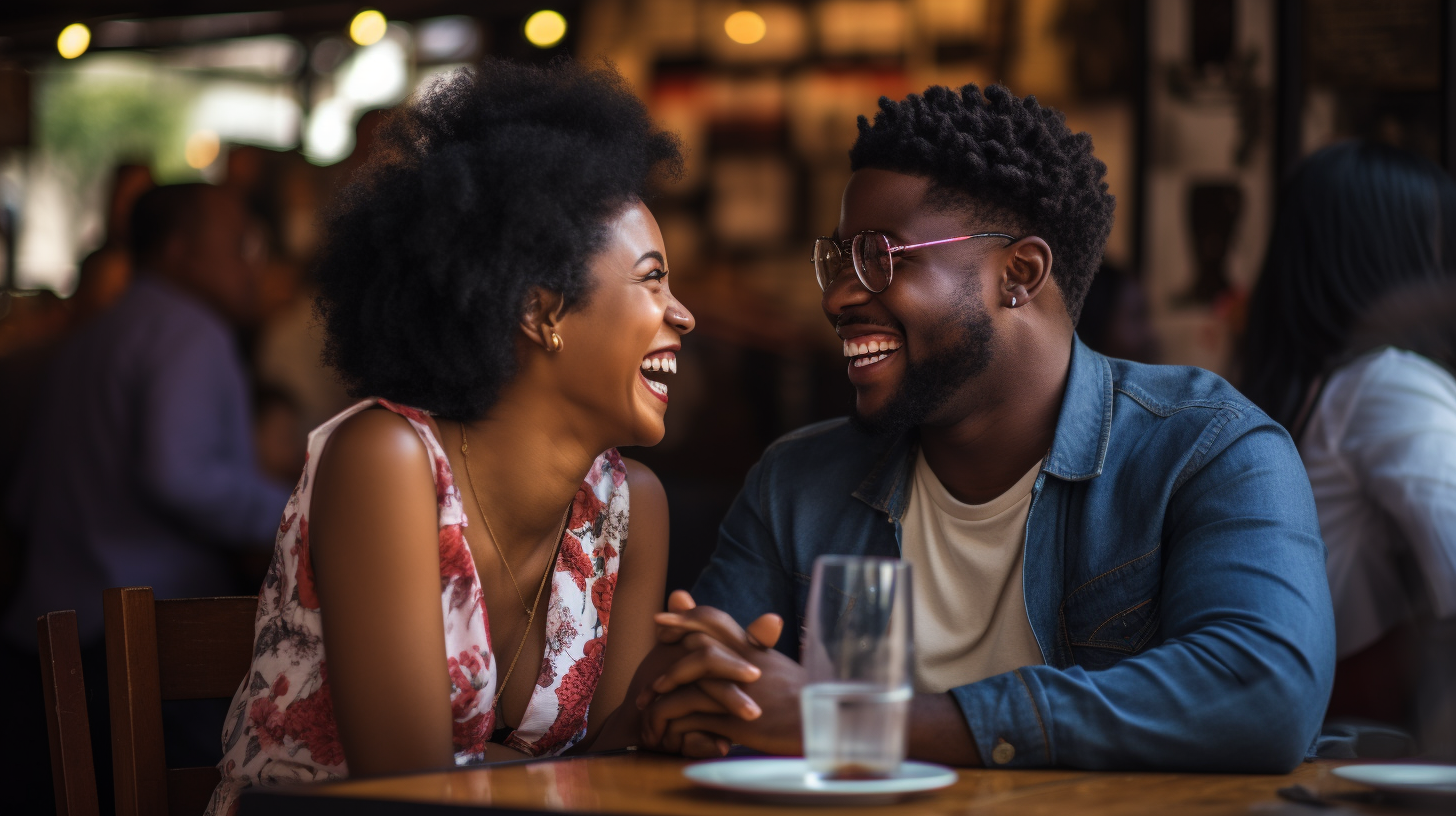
530	610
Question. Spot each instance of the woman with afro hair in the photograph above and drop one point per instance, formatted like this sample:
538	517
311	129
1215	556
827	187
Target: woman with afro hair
457	550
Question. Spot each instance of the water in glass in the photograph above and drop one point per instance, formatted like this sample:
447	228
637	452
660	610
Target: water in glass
854	730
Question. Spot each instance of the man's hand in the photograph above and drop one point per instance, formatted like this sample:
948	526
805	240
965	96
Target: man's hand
694	690
728	698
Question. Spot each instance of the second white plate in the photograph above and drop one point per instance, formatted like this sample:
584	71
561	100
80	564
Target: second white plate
789	780
1439	779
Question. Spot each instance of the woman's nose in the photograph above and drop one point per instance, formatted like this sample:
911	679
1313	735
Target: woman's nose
679	317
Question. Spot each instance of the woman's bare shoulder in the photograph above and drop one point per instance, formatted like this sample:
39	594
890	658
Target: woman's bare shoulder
643	484
374	438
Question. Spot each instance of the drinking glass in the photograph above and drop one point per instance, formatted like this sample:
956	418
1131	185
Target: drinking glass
857	654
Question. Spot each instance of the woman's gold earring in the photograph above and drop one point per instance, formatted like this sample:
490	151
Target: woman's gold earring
556	343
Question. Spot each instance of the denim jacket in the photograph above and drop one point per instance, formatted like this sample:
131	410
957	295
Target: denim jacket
1173	572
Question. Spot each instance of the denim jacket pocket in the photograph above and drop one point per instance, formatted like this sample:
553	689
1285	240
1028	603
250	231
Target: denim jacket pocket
1114	615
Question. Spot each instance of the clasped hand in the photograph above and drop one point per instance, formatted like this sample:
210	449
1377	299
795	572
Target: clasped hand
721	684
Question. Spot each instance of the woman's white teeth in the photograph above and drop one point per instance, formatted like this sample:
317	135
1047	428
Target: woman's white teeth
668	364
864	361
852	349
660	388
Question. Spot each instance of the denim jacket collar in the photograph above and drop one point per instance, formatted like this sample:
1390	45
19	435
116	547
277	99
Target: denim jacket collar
1078	449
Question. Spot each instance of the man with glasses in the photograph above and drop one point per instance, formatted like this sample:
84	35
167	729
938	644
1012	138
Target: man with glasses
1115	565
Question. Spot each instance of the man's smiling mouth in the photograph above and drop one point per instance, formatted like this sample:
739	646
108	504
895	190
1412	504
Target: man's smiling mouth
869	350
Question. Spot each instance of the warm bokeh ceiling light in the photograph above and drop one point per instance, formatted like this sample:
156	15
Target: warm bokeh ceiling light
74	40
545	28
367	27
745	27
202	149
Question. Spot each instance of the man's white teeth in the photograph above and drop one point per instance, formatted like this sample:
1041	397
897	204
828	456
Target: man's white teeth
864	361
853	349
668	364
660	388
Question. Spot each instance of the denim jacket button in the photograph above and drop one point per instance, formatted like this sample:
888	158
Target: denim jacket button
1003	753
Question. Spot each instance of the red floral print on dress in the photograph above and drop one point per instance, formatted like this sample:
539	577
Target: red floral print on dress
267	721
284	730
586	509
602	592
457	568
310	722
303	574
575	693
574	561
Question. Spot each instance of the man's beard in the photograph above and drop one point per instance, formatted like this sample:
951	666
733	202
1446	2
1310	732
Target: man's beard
930	383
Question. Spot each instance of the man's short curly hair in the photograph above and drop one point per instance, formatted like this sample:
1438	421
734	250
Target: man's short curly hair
1006	159
495	180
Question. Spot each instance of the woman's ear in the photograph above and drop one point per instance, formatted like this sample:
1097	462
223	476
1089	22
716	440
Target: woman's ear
540	318
1028	269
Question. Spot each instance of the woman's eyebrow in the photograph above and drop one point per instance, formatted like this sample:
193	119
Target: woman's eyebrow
654	255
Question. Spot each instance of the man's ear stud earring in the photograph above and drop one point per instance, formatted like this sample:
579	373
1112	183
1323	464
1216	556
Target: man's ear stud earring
1013	301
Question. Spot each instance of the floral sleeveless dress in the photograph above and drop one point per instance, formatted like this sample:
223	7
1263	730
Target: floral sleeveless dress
281	726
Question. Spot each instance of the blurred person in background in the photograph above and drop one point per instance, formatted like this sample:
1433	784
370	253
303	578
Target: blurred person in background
139	467
1115	319
107	272
1373	412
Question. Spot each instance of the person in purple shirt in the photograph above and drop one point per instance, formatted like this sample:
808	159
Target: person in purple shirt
140	467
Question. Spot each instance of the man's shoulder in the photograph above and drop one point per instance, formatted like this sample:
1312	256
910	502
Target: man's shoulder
1181	393
1181	418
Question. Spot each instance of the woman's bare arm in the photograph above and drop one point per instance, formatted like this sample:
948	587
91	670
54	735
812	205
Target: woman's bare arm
374	540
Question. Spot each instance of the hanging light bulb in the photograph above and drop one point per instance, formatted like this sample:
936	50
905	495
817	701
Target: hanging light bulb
74	40
745	27
545	28
368	27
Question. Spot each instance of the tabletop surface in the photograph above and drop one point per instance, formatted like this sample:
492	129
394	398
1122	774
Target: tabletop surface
651	784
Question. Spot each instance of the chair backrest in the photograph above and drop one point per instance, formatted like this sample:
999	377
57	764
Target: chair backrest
72	772
186	649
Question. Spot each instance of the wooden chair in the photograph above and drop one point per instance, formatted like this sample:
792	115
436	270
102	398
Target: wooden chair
186	649
72	771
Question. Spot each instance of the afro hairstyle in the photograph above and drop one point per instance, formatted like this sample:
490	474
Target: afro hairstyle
494	181
1005	159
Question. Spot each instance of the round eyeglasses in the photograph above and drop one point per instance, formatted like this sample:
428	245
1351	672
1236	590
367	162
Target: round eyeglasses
872	256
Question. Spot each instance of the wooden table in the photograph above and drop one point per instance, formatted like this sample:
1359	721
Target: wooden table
650	784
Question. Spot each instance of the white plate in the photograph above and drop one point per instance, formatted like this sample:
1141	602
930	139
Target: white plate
789	780
1406	778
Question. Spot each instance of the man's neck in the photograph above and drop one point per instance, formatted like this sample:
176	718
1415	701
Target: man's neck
1008	424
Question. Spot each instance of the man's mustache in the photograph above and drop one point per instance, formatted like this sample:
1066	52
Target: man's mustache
861	320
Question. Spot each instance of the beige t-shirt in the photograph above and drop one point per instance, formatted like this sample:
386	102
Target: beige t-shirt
970	616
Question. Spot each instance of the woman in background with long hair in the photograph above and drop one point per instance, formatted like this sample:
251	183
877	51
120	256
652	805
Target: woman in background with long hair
1360	228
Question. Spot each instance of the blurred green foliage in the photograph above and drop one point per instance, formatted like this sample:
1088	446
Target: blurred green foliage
104	109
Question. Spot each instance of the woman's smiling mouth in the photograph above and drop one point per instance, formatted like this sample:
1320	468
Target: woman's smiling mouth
661	362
